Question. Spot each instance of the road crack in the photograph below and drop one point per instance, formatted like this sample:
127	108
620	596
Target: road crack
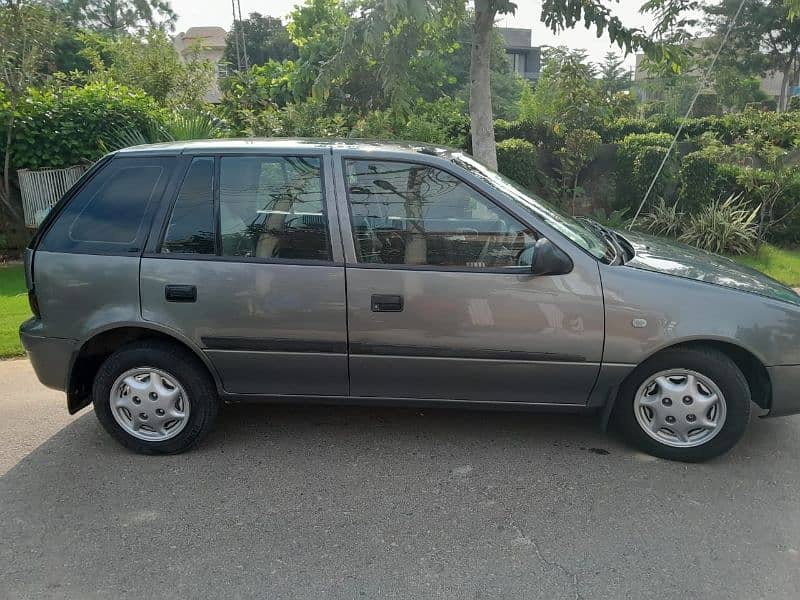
523	539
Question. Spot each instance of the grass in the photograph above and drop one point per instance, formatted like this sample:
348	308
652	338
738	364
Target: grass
779	263
13	309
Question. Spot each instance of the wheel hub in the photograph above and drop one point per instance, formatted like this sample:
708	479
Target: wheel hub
680	408
149	404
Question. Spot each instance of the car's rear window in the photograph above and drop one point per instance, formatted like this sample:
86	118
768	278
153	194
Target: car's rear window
108	215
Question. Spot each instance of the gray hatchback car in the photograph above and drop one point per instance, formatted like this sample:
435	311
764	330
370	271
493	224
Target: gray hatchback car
175	277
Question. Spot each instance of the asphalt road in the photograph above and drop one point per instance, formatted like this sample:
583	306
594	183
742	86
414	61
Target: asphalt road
314	502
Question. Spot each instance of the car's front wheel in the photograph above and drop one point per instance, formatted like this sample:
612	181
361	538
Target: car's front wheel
688	404
154	398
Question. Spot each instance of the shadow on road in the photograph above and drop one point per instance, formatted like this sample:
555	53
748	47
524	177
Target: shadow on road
290	501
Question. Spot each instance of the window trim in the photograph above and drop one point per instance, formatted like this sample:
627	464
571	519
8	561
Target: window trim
344	157
155	252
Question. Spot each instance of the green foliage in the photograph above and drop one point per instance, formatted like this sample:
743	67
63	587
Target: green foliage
62	127
262	87
266	39
118	17
700	180
724	227
172	127
567	93
663	219
516	159
638	159
614	77
151	64
579	149
616	219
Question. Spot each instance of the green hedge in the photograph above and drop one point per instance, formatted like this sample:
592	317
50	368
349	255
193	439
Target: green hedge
63	127
638	159
517	159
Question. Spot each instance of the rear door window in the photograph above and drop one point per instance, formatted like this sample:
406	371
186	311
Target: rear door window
191	227
111	214
273	208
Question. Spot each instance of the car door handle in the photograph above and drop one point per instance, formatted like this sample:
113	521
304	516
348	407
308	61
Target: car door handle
387	303
180	293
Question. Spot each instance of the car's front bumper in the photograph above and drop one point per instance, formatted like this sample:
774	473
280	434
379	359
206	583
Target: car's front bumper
785	382
50	357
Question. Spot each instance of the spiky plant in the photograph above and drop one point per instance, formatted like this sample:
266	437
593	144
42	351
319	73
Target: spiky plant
724	227
663	219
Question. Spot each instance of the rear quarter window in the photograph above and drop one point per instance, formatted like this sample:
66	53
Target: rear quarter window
111	213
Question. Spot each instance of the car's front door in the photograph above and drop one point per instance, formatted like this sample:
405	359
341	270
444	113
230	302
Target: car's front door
441	300
250	269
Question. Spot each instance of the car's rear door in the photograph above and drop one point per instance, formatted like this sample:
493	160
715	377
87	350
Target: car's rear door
248	265
439	306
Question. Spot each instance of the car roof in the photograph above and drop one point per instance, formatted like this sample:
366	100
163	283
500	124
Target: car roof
247	145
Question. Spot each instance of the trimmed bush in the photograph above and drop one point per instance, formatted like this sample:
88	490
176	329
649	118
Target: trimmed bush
638	159
63	127
516	159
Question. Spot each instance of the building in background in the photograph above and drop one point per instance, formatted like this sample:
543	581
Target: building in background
525	59
770	82
204	43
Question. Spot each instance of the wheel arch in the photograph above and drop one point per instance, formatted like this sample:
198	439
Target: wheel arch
753	368
749	364
103	342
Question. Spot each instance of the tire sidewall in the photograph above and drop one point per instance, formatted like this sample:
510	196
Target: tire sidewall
712	364
199	390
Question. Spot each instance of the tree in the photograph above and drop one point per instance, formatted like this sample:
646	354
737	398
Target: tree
567	95
765	39
118	16
266	38
378	22
614	77
27	31
150	63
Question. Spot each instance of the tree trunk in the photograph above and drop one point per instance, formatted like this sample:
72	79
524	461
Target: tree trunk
785	82
5	190
480	97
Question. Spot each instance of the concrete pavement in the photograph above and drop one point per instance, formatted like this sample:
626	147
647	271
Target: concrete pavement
317	502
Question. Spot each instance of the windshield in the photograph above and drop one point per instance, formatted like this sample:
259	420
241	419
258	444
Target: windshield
580	233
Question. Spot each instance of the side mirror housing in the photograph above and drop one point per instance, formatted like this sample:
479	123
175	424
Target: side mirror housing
549	260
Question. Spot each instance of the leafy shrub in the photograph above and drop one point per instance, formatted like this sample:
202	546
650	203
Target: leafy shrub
723	226
699	179
517	159
794	103
541	134
638	159
663	219
62	127
620	128
176	126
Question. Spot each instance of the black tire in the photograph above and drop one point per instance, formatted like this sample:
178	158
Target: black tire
180	364
711	363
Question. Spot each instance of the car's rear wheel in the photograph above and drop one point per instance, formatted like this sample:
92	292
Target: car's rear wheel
155	398
687	404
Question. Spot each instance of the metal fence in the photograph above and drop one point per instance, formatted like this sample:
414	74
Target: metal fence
42	189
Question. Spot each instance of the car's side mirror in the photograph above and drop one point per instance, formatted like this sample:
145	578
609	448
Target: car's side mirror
549	260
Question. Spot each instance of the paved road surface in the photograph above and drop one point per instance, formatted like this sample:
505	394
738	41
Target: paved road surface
311	503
